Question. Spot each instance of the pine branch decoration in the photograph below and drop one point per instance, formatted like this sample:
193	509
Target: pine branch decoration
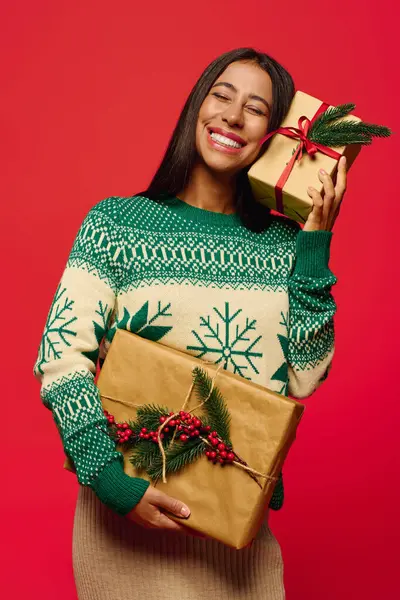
329	131
184	437
215	407
178	456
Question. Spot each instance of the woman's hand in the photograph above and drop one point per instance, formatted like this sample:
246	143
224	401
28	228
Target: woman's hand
148	512
326	209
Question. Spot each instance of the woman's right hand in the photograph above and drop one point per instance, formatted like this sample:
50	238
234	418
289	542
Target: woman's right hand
149	511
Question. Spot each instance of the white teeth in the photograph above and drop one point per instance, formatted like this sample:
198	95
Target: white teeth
221	139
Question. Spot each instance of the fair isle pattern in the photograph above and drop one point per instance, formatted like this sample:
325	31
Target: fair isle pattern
198	281
132	255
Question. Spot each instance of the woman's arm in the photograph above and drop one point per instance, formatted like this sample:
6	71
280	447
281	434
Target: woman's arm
67	357
311	312
311	304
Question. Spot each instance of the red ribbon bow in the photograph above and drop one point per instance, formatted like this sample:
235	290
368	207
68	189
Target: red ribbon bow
306	145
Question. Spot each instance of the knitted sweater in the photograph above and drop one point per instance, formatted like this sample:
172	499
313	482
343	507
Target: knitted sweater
191	279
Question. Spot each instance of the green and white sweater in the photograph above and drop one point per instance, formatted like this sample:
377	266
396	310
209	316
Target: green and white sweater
194	280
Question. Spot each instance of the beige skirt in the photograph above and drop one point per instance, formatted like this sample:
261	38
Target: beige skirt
114	559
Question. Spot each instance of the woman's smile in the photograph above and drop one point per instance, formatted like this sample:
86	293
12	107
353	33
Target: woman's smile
225	141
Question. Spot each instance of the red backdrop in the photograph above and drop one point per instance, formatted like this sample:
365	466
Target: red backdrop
91	91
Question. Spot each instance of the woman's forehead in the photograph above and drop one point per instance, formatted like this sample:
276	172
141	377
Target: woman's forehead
247	77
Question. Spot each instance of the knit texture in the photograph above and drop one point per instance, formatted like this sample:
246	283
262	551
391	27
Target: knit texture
195	280
115	559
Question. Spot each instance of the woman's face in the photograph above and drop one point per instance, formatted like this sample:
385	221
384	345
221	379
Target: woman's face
234	118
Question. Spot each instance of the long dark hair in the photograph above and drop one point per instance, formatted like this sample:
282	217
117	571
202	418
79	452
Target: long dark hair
175	169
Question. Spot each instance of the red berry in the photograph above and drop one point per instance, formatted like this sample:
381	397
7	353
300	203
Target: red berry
183	438
214	434
154	439
223	454
213	454
125	425
144	430
182	414
221	460
166	429
146	436
231	456
208	428
208	453
192	434
191	427
214	441
197	423
162	436
141	435
163	419
171	413
128	432
221	447
180	427
172	423
196	432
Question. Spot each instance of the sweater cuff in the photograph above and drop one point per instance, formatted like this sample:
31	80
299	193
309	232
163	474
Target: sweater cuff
312	253
117	490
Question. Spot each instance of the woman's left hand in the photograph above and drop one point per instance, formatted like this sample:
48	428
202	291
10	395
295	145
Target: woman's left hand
326	207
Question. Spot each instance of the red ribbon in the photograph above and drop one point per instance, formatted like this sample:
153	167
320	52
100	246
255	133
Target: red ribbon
305	145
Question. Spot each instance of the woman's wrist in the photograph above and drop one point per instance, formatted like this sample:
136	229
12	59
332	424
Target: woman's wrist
313	253
117	490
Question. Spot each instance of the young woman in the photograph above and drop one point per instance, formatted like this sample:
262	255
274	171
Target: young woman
196	264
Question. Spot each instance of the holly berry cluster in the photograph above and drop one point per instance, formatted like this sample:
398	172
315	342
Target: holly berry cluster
186	426
122	430
222	453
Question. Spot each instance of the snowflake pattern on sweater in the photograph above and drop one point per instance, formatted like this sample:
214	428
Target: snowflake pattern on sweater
198	281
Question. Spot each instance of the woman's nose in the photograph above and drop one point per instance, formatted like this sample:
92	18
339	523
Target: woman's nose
233	116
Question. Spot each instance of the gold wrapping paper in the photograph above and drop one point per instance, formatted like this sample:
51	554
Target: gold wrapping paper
266	171
225	502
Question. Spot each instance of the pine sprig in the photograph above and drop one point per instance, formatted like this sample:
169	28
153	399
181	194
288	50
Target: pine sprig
146	453
149	416
215	407
330	131
332	114
178	456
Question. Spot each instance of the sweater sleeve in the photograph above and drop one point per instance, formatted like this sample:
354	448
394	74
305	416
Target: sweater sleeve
311	313
67	357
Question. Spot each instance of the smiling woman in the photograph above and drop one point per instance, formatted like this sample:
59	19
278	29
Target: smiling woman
196	263
241	96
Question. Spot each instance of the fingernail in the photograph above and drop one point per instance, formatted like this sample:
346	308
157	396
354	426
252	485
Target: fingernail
322	172
185	512
343	159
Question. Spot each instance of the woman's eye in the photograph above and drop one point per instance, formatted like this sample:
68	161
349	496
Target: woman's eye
220	96
255	110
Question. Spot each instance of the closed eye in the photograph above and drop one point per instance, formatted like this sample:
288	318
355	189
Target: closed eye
220	96
255	110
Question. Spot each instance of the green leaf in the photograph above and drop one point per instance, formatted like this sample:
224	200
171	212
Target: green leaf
215	407
139	319
122	324
154	332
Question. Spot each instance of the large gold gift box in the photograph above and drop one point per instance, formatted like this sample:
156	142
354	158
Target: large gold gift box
266	171
225	502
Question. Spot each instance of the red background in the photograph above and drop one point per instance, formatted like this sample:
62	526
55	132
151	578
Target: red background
90	93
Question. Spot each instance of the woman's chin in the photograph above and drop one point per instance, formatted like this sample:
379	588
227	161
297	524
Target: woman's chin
222	165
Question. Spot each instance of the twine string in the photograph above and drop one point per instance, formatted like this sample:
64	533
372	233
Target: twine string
241	464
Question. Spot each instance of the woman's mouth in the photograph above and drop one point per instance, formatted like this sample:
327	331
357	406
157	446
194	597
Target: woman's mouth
225	142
